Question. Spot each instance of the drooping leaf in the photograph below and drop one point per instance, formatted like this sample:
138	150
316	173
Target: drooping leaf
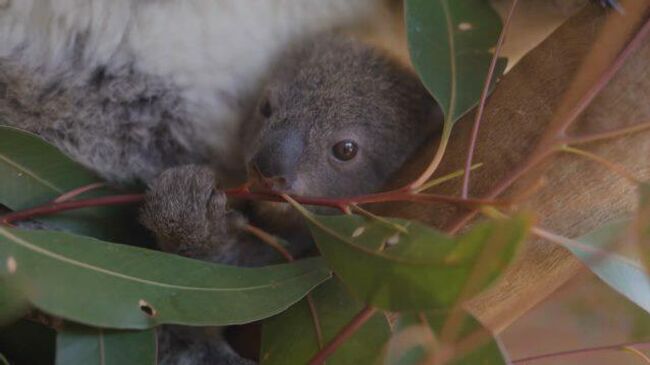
624	274
290	338
419	270
450	43
77	344
33	172
26	342
417	336
118	286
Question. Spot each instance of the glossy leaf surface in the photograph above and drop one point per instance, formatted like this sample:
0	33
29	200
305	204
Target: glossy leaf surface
118	286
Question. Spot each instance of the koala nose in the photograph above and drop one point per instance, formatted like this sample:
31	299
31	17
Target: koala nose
278	157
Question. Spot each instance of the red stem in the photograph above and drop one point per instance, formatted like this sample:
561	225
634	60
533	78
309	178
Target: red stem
581	351
51	208
353	326
342	204
484	95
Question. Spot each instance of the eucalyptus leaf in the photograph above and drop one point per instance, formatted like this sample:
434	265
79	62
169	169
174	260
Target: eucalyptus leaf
624	274
419	270
290	338
33	172
417	336
118	286
450	43
77	344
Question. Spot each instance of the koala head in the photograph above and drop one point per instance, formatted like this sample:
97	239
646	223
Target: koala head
337	118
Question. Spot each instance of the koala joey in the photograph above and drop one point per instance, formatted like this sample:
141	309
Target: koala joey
335	118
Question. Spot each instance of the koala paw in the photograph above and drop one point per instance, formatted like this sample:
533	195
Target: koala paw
187	213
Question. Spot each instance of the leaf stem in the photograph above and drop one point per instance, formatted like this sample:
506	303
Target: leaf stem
597	137
484	94
612	166
351	328
51	208
437	158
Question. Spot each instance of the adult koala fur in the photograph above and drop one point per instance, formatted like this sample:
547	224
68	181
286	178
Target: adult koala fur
172	78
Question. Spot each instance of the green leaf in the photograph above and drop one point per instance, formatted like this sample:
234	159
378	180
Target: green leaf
118	286
420	270
26	342
84	345
416	337
624	274
290	338
450	44
33	172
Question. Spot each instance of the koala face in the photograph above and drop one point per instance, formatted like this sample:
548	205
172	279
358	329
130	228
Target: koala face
337	118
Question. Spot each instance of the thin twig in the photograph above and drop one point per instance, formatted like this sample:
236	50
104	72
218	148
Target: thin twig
70	205
443	179
269	240
637	353
435	161
484	95
78	191
619	132
351	328
611	165
581	351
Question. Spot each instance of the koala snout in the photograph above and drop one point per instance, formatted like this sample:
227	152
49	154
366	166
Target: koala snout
277	161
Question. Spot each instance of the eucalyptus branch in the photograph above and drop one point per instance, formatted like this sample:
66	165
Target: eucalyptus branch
585	350
342	204
484	95
52	208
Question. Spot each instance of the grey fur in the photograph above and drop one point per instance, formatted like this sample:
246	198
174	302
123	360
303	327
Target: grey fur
126	126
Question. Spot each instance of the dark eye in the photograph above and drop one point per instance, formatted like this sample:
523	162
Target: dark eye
345	150
265	109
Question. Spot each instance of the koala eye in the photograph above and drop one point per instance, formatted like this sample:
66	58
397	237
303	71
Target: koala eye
345	150
265	109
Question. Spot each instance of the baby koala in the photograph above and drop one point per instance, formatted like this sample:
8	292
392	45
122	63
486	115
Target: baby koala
336	118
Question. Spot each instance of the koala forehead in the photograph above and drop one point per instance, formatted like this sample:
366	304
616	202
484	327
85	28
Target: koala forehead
330	82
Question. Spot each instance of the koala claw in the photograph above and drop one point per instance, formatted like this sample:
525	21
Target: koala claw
187	213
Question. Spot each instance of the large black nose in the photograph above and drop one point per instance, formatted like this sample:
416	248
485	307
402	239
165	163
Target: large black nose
279	155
